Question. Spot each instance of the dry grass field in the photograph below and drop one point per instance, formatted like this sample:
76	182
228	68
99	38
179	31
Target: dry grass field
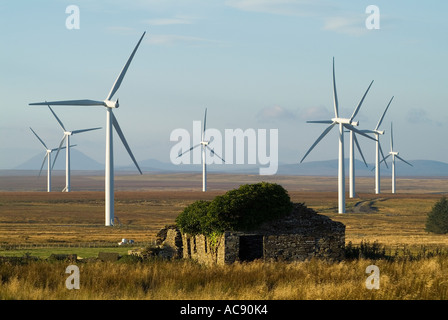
144	204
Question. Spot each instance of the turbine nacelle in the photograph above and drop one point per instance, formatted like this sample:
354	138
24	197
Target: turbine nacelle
345	121
111	104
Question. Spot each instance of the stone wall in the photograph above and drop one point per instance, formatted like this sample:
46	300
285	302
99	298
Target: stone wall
202	249
300	236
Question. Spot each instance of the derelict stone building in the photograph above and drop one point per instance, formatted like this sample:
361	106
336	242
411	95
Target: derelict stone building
299	236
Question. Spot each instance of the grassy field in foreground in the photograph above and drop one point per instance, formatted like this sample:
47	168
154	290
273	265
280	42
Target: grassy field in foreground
170	280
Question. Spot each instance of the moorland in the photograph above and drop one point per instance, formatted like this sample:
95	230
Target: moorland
62	222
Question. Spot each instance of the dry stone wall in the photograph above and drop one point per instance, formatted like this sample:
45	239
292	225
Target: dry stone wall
302	235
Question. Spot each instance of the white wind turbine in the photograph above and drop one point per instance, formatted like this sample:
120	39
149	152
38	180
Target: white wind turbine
378	149
347	123
66	138
394	155
204	144
354	140
110	121
48	158
352	184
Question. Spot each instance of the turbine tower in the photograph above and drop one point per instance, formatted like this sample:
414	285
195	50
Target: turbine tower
346	123
354	140
48	158
110	121
66	138
352	183
394	155
204	145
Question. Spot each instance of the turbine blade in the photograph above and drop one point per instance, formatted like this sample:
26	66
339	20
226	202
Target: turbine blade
367	131
84	130
391	138
59	121
360	102
182	153
320	121
120	77
43	163
318	140
123	139
381	150
335	95
41	141
350	127
205	120
384	159
403	160
214	153
56	149
59	149
359	149
382	117
70	103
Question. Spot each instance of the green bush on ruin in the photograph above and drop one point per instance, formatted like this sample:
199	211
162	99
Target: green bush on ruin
241	209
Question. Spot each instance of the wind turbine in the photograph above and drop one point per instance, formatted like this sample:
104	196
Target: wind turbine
354	140
204	144
378	149
347	123
66	138
48	158
110	121
352	184
394	155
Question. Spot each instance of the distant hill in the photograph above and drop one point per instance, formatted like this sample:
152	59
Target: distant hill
427	168
421	168
78	161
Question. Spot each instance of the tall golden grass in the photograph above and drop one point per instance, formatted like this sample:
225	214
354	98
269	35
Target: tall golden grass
401	279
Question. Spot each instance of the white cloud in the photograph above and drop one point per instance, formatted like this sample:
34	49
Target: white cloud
168	21
283	7
334	17
350	24
420	116
316	113
275	113
123	30
172	39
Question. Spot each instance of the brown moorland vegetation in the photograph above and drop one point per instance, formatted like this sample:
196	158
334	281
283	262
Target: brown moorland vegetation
394	221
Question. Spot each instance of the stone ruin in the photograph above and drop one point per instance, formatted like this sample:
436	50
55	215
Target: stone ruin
299	236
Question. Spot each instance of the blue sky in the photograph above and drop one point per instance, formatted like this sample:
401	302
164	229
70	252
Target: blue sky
260	64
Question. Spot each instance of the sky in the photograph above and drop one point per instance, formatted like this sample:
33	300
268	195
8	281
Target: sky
254	64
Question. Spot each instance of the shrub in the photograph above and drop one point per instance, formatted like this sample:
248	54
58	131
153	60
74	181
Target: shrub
240	209
366	250
193	219
437	220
